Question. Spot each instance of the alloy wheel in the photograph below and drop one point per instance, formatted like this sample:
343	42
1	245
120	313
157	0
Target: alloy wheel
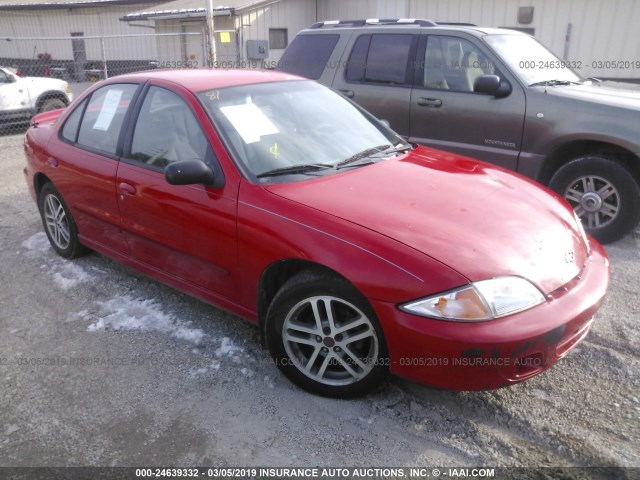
330	340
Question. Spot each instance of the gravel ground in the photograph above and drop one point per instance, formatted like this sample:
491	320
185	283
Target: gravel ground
140	374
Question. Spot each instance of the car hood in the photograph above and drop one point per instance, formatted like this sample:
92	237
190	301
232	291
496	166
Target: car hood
478	219
46	83
623	95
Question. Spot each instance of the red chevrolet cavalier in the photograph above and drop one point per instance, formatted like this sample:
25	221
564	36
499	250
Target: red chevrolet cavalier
355	252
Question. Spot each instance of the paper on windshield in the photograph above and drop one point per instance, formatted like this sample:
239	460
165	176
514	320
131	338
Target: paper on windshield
108	110
249	121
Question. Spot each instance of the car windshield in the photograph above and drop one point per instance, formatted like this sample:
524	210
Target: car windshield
531	60
284	131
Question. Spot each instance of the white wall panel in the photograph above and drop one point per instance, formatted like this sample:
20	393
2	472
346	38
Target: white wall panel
602	30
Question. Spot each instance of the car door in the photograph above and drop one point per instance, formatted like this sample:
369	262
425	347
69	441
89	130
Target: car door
14	95
84	160
447	114
378	75
186	232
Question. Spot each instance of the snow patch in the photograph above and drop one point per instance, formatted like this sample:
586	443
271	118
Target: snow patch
268	382
127	313
199	371
11	429
71	275
247	372
37	244
228	349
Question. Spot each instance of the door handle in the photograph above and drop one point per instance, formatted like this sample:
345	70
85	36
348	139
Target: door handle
347	93
126	188
52	162
429	102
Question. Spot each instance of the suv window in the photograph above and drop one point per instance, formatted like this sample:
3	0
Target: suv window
308	55
453	63
382	58
166	131
103	117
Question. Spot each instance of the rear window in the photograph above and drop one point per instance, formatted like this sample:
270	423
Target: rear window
382	58
308	55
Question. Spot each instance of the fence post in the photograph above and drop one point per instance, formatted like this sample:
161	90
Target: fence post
211	38
104	58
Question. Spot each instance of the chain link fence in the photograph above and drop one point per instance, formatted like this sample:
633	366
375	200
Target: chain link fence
42	73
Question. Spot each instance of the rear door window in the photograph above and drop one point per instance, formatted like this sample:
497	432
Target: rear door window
382	59
308	55
103	117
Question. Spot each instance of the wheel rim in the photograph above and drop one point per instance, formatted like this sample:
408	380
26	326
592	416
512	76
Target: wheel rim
330	340
595	200
57	223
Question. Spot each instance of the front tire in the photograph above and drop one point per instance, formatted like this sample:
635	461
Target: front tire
325	337
59	224
604	194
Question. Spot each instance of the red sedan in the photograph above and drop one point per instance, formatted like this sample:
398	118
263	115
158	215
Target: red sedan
356	253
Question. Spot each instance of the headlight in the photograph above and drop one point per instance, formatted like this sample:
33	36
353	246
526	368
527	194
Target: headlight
479	301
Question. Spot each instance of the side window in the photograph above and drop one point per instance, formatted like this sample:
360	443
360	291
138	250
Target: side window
386	60
452	63
166	131
358	59
103	117
4	78
308	55
70	128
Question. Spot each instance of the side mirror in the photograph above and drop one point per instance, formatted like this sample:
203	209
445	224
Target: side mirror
189	172
492	85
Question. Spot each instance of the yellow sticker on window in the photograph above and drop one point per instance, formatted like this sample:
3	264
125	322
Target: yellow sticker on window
273	150
225	37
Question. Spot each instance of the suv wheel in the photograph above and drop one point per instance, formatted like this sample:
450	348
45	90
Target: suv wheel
325	337
603	193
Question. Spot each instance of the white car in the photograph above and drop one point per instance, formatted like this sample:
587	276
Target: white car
21	98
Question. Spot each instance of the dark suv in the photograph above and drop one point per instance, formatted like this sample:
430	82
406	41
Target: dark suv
493	94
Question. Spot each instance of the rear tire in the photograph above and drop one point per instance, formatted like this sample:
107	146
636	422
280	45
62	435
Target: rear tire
604	194
59	224
325	337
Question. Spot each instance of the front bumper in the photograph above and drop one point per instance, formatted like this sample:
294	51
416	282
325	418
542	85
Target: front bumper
496	353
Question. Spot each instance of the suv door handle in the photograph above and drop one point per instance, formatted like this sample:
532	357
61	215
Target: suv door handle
126	188
429	102
347	93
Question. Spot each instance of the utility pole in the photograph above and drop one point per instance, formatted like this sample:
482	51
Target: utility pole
211	38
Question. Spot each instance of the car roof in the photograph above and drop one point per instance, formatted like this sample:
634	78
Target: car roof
200	79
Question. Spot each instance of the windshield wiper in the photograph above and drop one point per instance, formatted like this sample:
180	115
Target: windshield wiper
294	169
402	148
373	153
361	155
553	83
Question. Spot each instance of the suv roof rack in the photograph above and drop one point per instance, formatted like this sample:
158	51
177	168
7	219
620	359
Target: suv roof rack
458	24
373	22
